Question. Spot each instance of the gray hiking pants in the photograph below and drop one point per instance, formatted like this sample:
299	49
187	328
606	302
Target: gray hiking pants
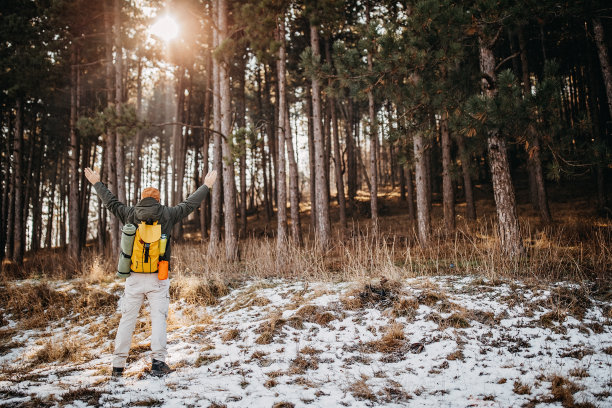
137	286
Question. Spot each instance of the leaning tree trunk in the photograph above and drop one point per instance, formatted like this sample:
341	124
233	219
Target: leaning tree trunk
423	217
229	184
503	190
281	232
74	247
323	224
448	195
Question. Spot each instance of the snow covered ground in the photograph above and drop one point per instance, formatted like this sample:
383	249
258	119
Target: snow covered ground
426	342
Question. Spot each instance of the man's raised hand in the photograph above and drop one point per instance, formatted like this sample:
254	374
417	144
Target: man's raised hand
91	175
210	179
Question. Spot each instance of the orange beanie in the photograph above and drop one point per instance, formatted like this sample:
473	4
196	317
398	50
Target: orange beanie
150	192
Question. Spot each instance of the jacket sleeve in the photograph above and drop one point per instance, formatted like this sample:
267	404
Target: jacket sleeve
185	208
111	202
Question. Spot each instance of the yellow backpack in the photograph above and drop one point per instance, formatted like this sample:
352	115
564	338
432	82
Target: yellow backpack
146	251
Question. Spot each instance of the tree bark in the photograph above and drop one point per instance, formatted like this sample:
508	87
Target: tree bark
74	244
281	232
351	160
139	136
241	122
537	185
503	190
602	53
373	141
205	145
423	217
229	184
311	162
119	102
216	210
294	192
19	227
448	195
323	224
410	194
468	189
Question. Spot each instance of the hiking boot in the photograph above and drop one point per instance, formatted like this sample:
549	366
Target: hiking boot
117	372
159	368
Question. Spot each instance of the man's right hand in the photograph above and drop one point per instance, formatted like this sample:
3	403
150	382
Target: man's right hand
91	175
210	179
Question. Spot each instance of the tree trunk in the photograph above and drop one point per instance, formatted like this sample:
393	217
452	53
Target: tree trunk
119	102
311	163
216	210
241	122
537	186
351	160
448	195
281	234
139	136
373	141
410	195
19	227
423	217
205	145
322	211
74	247
468	189
503	190
110	134
602	52
229	184
294	192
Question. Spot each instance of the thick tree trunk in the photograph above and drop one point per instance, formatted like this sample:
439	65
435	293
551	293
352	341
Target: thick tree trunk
503	190
448	195
178	148
604	60
294	192
74	244
323	224
423	217
281	232
468	189
229	184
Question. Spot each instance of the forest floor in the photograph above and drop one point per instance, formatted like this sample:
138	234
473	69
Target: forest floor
424	341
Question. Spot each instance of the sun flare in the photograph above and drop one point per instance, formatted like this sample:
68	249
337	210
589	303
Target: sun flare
165	28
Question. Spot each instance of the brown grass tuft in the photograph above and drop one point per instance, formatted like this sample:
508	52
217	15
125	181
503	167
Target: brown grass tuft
392	341
521	389
361	390
301	364
59	349
230	335
269	328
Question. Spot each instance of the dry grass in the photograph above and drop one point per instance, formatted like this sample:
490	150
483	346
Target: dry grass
392	341
361	390
60	349
269	328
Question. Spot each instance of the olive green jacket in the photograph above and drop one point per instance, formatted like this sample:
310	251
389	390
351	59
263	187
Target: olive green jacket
148	209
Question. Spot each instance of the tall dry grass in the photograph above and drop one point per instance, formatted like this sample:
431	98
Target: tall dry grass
569	251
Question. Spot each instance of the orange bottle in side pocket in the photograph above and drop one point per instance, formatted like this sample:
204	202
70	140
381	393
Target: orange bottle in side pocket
162	270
